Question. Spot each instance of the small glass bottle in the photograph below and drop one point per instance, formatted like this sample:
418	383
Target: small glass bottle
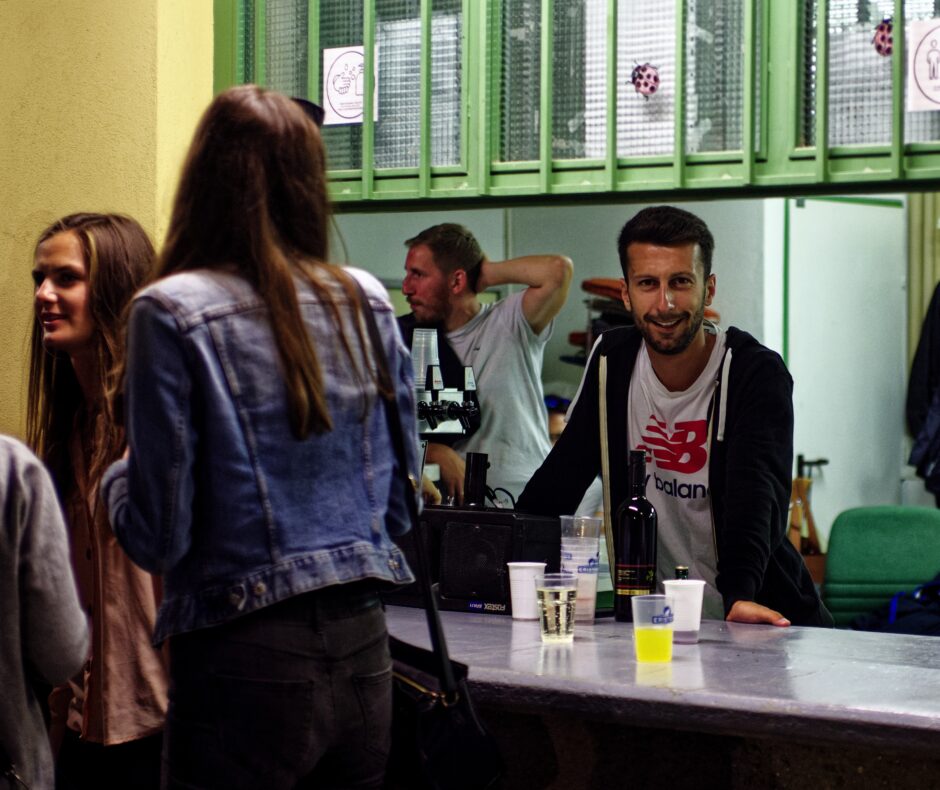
682	571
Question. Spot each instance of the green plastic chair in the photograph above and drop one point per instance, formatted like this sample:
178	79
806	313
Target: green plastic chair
875	552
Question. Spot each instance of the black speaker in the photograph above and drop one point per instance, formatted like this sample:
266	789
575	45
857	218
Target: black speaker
468	551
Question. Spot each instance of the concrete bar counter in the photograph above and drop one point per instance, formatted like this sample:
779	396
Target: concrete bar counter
749	706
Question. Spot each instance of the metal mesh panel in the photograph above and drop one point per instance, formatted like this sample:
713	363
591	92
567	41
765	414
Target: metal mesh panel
579	79
859	78
646	36
285	46
398	37
860	88
341	26
646	33
715	75
519	92
446	117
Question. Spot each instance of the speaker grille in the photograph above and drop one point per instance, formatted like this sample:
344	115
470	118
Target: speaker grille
473	561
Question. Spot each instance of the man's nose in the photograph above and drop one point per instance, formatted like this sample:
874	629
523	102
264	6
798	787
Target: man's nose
667	300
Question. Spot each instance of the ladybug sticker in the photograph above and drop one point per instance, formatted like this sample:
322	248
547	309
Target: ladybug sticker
883	41
645	79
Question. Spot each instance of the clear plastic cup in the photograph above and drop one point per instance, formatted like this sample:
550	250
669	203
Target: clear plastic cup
652	627
579	527
424	353
556	594
580	548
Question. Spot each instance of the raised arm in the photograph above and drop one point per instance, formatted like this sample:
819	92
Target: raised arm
548	278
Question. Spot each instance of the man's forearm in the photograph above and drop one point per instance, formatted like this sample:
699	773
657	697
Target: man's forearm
534	271
547	278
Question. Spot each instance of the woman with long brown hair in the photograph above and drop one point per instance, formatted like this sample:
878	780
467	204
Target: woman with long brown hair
261	475
86	269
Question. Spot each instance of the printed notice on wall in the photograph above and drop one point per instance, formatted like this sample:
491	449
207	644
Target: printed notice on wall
344	86
923	65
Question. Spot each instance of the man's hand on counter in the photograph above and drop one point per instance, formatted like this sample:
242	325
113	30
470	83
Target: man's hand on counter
751	612
429	492
452	470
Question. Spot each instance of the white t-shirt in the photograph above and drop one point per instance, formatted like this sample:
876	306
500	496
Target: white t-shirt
506	356
672	427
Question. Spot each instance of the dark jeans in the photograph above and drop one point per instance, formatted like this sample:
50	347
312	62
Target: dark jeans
82	765
295	695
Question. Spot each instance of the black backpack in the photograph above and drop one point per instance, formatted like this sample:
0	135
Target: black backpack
914	612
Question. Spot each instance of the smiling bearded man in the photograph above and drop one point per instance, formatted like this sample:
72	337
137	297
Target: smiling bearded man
712	410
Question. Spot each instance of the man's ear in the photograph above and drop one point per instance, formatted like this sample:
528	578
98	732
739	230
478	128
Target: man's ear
458	282
625	294
709	289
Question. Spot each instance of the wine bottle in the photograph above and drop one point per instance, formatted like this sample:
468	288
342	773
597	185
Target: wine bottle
634	542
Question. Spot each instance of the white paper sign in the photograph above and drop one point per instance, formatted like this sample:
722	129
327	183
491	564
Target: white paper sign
344	85
923	65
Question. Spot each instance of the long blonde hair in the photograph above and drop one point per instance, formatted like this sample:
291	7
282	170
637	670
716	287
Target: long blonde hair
252	198
118	257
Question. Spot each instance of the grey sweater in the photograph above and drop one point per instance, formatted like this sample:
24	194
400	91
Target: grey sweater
43	630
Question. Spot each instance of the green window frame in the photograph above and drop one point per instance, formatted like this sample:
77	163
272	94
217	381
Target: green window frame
785	98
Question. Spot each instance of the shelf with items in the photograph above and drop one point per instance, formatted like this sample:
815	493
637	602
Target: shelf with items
605	310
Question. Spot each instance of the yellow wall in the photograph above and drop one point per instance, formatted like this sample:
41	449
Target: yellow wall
99	101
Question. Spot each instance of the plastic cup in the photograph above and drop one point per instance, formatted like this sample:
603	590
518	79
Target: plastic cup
652	627
579	527
556	594
579	555
579	546
687	597
585	565
424	353
522	589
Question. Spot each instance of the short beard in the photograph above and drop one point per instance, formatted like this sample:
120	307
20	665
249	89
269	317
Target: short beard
680	344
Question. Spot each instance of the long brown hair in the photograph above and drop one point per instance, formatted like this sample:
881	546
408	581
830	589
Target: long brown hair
253	199
118	257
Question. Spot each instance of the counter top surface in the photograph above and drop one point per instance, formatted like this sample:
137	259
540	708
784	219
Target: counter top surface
882	689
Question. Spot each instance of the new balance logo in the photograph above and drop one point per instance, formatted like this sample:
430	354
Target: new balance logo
682	450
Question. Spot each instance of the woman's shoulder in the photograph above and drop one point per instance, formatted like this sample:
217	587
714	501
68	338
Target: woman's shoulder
370	284
197	289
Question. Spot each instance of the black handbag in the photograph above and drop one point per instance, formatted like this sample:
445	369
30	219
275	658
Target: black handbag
438	741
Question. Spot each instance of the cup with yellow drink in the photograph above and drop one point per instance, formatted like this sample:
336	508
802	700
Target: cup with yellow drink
652	627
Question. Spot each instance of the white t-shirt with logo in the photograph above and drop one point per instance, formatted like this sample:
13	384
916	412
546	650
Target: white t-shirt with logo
672	427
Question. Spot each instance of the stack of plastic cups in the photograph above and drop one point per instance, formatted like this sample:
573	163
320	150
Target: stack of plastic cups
579	555
424	353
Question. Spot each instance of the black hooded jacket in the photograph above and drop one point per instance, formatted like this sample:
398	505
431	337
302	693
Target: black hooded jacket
750	467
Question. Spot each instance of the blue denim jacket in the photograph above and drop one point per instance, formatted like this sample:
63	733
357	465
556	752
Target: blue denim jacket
218	495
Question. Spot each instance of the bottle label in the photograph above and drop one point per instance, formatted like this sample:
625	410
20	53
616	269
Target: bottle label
634	579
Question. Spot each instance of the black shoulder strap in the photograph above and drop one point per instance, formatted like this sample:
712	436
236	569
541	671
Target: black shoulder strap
438	642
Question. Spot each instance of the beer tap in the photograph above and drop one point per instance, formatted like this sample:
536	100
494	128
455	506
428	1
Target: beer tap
463	412
432	411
